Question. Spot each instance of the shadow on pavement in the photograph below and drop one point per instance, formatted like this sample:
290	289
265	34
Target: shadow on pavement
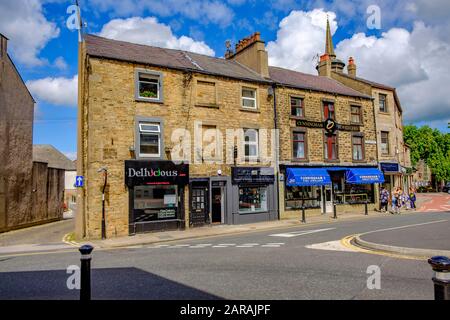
108	283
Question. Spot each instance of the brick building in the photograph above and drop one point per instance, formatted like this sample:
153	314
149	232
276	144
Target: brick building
176	139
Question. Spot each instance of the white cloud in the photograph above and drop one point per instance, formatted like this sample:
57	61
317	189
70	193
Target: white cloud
150	32
203	11
27	28
416	62
60	63
301	36
56	91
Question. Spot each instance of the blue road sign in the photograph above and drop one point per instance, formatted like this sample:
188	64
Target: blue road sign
79	181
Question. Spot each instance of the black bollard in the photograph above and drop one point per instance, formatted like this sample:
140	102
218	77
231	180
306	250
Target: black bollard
303	214
441	278
85	292
365	208
334	211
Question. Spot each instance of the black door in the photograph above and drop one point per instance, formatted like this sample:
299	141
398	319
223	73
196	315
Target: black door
199	212
216	196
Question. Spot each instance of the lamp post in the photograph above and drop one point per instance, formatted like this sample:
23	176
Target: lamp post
105	181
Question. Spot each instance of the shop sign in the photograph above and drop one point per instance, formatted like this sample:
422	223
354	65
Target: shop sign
253	175
167	213
389	167
144	172
329	125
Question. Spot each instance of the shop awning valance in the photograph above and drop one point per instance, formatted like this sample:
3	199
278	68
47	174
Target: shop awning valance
302	177
364	176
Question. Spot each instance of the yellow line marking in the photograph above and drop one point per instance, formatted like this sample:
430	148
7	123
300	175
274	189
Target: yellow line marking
347	242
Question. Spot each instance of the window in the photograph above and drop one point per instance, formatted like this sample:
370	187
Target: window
149	139
297	107
148	86
249	98
328	110
252	199
299	149
206	93
156	202
358	148
384	142
383	103
296	197
356	114
210	142
251	143
330	147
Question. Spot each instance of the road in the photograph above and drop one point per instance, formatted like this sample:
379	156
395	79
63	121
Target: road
275	264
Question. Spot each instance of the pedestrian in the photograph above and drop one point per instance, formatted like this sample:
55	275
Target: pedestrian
384	199
396	201
412	198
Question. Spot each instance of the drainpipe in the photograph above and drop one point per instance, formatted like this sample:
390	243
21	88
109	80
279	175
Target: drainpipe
277	176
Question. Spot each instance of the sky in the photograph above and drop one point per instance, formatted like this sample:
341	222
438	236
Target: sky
404	44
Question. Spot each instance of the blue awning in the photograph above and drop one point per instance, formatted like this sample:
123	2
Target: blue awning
364	176
302	177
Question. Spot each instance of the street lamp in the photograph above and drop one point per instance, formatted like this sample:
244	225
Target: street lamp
105	175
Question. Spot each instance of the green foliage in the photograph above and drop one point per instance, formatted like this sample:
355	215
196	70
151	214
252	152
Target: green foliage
148	94
431	145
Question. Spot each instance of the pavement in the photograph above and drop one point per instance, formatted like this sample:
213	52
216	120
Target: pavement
433	202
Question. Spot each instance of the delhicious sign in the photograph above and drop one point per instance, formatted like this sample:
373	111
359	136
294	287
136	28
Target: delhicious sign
144	172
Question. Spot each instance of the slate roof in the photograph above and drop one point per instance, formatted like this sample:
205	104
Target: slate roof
52	156
183	60
308	81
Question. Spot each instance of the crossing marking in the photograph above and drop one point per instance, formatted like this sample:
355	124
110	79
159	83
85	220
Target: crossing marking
298	233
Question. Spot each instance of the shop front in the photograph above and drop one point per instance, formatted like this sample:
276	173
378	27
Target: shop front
156	195
392	174
318	188
254	196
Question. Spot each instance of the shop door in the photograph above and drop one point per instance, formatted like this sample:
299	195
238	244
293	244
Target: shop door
217	205
328	197
199	213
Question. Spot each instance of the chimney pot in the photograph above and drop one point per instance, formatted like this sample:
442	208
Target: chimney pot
351	68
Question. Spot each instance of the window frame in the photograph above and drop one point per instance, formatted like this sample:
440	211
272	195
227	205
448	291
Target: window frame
325	142
360	119
256	143
327	103
156	74
305	144
363	151
388	152
302	106
386	110
255	90
141	120
216	96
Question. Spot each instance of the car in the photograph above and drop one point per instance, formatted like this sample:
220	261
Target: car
446	188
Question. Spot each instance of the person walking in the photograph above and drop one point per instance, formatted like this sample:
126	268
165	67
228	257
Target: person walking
384	199
412	198
395	200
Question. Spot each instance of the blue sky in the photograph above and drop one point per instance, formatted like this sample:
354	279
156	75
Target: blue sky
410	50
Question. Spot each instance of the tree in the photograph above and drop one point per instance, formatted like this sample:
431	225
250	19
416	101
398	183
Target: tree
432	146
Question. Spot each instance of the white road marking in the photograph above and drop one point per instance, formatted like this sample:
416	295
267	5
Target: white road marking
299	233
227	244
407	226
271	245
331	246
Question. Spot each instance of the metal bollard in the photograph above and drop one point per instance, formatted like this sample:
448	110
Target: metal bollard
334	211
365	208
85	291
303	214
441	278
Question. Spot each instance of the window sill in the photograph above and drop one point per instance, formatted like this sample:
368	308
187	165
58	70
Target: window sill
296	117
249	110
332	161
204	105
148	100
299	160
359	161
385	113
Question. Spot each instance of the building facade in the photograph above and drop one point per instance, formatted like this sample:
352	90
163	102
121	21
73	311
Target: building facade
173	139
393	153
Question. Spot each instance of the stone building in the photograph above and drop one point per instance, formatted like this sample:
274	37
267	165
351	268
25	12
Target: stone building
393	153
179	134
27	196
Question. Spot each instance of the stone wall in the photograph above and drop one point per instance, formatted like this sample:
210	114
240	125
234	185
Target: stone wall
108	118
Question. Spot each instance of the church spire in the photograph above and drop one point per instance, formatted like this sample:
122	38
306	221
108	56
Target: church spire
329	48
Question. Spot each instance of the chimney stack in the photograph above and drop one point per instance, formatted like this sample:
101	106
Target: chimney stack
324	66
252	53
351	68
3	46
